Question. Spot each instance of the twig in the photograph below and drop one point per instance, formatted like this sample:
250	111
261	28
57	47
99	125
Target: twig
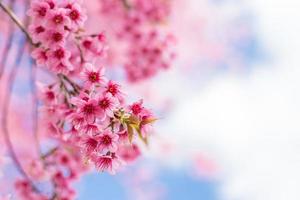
74	85
13	17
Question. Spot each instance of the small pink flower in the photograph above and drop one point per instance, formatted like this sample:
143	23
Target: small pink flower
55	37
88	109
93	75
58	19
94	47
58	55
40	55
62	68
48	94
137	108
107	105
108	163
51	3
37	32
77	121
89	144
114	89
76	15
108	141
38	10
90	129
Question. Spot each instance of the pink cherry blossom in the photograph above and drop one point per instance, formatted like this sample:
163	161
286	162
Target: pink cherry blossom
93	75
38	10
38	32
107	163
108	141
115	90
76	15
58	19
89	109
107	104
40	55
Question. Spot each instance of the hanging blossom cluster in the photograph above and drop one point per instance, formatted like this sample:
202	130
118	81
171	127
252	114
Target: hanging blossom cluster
138	26
83	112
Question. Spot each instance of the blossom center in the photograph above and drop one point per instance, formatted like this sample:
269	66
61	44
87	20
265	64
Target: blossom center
104	103
58	19
74	15
88	109
87	44
113	89
50	95
39	29
59	53
42	11
94	77
106	140
57	37
136	109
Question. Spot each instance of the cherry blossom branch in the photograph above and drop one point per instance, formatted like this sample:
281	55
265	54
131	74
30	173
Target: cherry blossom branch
13	17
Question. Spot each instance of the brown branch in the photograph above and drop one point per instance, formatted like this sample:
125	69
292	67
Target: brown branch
13	17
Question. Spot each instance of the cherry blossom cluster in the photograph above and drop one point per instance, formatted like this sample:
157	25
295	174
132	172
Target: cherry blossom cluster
84	115
148	48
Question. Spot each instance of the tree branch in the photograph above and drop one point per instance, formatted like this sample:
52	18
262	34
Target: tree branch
13	17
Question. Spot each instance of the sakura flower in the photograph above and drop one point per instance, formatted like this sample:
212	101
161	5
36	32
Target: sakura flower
136	108
52	3
58	19
40	55
89	109
108	163
89	144
94	47
59	179
58	56
37	32
114	89
62	68
76	15
107	104
38	10
93	75
90	129
48	94
108	141
55	37
77	120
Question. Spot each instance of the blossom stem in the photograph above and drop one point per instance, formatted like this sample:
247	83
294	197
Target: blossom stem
15	19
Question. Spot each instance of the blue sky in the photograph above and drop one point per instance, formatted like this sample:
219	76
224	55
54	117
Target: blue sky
178	184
